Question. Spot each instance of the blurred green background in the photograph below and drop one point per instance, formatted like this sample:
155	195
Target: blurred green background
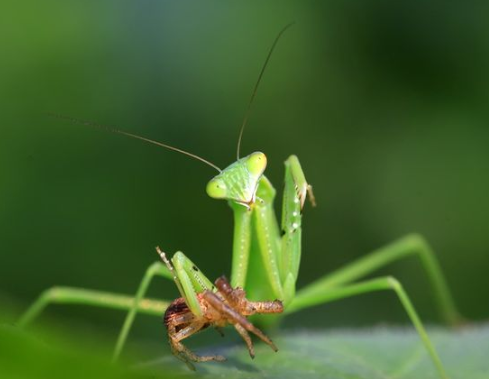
385	103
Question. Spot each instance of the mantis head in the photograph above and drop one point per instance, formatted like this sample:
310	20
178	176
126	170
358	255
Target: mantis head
239	181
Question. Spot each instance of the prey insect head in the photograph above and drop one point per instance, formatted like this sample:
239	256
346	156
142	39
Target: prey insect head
239	181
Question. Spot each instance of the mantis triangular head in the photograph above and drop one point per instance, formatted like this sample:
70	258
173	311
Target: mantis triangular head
239	181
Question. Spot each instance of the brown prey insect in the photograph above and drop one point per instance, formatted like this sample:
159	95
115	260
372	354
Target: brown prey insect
227	305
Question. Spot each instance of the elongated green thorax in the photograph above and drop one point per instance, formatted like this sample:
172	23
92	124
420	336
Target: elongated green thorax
239	181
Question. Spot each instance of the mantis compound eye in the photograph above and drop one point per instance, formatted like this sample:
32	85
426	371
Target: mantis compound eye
256	163
217	189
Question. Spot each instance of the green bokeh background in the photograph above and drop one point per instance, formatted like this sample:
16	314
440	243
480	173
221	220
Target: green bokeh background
385	103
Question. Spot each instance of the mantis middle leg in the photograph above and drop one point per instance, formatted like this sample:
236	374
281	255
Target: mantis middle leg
410	245
82	296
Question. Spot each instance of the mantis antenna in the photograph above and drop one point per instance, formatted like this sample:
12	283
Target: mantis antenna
113	130
253	94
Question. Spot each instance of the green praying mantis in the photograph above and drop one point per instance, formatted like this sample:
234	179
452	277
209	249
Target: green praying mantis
266	259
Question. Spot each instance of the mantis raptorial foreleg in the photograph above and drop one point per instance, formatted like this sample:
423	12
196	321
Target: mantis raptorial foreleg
257	257
188	279
241	244
272	252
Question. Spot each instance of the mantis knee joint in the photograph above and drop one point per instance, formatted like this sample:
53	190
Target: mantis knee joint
394	283
52	293
417	240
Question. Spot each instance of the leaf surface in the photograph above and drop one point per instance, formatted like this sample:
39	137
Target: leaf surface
377	353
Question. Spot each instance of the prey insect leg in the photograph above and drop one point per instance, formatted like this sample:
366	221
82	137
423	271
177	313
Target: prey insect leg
182	352
235	318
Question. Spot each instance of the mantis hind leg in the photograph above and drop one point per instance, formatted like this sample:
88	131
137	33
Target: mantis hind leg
380	284
81	296
410	245
70	295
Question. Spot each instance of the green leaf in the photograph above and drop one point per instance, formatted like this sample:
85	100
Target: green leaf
378	353
340	354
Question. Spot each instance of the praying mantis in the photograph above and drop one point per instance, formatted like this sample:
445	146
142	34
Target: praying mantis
265	266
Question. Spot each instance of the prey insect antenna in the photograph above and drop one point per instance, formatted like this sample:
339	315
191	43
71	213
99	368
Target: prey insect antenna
255	89
118	131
